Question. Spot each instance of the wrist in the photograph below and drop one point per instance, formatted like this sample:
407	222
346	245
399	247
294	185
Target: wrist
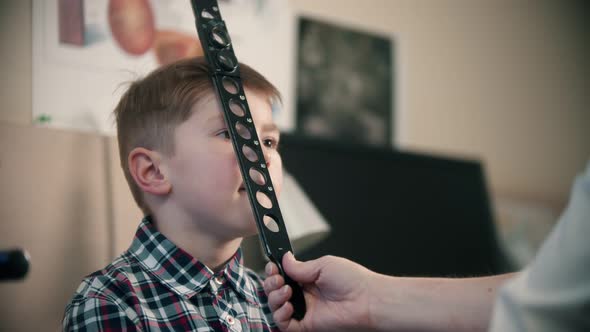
400	304
381	304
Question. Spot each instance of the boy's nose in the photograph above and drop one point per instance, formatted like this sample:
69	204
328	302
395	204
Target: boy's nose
267	157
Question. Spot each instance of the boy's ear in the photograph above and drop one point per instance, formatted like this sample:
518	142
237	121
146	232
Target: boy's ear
144	166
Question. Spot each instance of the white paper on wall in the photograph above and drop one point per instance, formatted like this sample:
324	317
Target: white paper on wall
78	81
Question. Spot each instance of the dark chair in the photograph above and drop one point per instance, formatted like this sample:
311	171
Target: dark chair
398	213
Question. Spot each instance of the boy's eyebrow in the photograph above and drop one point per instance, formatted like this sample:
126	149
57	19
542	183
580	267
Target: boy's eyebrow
270	127
215	118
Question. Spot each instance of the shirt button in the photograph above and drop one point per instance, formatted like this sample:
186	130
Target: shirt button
230	320
218	280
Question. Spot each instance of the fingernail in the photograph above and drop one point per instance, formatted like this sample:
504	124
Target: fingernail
284	289
290	255
268	269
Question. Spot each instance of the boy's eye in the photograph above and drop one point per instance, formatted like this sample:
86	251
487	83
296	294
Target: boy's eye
224	134
271	143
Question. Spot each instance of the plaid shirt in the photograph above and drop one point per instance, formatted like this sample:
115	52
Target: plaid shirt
156	286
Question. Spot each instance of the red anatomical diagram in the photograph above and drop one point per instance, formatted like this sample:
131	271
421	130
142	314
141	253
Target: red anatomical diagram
132	25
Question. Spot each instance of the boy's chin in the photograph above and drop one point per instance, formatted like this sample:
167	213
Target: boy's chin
249	228
252	228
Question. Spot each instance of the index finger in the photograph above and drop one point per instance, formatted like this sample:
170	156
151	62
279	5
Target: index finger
271	269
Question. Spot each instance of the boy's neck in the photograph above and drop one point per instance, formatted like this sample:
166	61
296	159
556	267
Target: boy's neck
212	252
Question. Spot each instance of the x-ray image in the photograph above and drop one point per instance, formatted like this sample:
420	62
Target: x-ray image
344	84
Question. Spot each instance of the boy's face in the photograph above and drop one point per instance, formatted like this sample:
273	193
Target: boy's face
207	186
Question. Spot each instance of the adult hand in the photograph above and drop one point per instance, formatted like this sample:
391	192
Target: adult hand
336	290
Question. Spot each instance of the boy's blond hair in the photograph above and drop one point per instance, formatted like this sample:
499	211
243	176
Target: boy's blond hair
151	109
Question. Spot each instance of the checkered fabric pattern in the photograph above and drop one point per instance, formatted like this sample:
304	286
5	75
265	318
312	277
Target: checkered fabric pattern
156	286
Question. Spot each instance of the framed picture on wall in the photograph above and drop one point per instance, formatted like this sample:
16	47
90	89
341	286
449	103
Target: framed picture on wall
344	83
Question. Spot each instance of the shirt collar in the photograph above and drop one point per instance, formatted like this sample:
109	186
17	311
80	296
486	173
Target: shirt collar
238	277
179	271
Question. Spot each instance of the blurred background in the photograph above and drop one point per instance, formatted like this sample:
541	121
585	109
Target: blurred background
503	84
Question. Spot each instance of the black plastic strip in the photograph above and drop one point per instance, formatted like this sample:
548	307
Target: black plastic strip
225	71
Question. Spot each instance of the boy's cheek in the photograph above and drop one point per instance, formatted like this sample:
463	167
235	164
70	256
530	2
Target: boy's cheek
276	174
278	177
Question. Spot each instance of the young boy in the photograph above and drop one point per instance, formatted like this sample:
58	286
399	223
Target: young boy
183	270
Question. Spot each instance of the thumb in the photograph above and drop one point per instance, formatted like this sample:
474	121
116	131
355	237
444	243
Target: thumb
303	272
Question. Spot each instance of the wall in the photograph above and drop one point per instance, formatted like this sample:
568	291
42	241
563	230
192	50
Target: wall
53	204
15	52
502	81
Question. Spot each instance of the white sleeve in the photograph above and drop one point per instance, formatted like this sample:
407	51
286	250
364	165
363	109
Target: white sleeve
553	292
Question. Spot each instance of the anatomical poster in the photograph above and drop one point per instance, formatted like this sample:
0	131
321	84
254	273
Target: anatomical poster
86	52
